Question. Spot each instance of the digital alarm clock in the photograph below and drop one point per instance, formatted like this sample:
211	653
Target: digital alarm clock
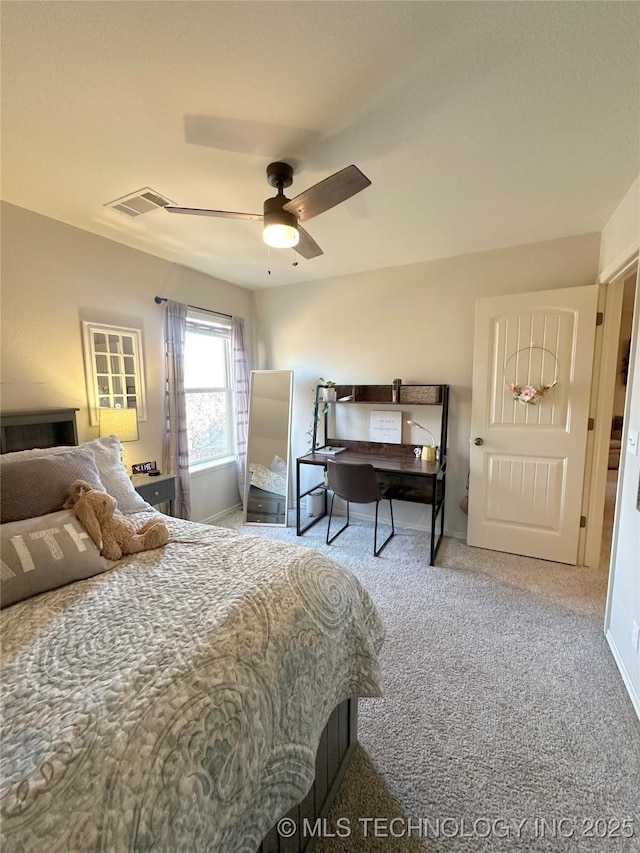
145	468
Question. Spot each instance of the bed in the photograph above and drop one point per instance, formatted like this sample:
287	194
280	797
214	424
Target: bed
184	698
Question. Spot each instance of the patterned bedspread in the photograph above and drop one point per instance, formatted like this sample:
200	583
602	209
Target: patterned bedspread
175	703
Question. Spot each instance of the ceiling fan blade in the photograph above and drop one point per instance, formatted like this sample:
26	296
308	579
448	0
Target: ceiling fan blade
307	246
328	193
225	214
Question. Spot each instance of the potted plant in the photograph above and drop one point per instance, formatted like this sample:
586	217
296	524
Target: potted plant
329	390
324	392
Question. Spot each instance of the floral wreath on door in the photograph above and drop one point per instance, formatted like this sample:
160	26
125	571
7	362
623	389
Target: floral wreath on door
529	392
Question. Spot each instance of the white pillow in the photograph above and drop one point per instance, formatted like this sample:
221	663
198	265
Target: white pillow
279	465
110	467
114	475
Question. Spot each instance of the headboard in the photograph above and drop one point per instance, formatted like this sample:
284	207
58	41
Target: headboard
37	428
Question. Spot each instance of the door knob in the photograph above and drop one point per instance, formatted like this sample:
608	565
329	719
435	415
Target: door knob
478	441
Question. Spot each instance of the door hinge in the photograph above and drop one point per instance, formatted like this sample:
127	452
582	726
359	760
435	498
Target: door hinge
591	424
599	318
583	521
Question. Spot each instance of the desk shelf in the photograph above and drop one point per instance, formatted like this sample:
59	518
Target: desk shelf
410	395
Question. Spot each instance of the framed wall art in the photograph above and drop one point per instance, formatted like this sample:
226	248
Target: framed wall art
114	369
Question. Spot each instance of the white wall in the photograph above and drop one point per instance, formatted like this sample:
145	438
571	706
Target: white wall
53	277
621	233
414	322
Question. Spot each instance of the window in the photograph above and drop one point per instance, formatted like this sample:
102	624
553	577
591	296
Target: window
113	362
207	385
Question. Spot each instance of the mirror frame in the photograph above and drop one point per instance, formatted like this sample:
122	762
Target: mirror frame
254	376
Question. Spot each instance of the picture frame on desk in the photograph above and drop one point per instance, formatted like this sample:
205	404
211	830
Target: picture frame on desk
386	427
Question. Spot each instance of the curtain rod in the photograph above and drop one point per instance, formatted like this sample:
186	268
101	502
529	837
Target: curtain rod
160	299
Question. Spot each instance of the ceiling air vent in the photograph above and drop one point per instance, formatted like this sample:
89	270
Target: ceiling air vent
139	202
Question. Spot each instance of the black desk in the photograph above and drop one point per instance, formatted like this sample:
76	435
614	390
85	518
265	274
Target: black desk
403	476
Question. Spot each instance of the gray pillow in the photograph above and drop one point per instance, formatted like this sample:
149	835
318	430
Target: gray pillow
37	486
43	553
111	469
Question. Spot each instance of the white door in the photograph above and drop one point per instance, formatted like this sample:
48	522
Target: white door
527	459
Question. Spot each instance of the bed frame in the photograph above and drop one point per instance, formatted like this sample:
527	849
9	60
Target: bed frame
40	428
337	743
25	430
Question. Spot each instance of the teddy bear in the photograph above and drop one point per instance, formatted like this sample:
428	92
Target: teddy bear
113	534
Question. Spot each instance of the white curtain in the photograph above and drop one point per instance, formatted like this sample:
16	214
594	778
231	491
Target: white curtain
176	448
240	378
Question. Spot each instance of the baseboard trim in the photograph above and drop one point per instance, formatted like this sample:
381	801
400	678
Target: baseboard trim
212	518
451	534
624	672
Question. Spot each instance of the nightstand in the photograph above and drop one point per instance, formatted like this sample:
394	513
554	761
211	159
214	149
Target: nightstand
156	490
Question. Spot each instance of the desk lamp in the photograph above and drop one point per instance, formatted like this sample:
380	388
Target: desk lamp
428	450
120	422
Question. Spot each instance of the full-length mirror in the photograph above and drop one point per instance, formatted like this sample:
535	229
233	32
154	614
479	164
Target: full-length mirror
267	470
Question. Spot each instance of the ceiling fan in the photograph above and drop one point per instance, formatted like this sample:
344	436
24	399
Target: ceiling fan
282	216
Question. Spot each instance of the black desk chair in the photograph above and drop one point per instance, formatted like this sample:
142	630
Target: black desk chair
356	483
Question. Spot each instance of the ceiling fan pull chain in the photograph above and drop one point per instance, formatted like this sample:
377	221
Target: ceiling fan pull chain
268	259
295	257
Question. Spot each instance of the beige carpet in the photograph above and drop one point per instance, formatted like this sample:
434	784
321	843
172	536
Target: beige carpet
504	723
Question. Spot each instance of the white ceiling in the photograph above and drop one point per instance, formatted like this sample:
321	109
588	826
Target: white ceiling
481	125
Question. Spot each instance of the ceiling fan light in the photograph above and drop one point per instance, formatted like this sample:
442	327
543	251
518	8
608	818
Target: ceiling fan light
280	226
280	236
